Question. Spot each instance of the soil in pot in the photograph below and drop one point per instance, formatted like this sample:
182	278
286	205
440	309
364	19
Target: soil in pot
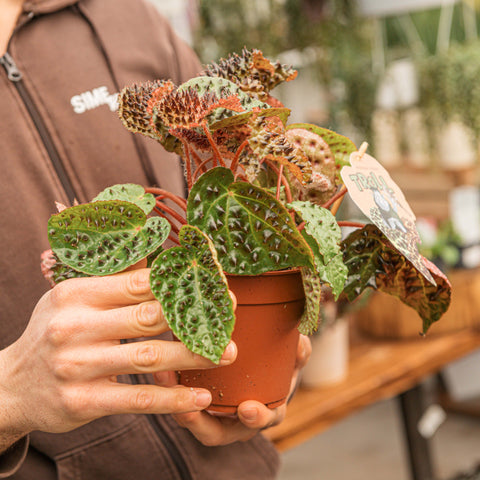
269	307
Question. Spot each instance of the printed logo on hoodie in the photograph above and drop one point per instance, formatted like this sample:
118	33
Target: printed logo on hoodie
93	99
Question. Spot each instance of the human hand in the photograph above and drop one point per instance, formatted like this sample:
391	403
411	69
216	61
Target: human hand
62	372
252	416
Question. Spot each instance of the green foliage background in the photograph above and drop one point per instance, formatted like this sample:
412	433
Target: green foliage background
329	32
339	45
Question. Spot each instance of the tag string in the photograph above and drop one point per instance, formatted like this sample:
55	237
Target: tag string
362	150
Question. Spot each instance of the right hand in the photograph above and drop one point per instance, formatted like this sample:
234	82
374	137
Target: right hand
61	373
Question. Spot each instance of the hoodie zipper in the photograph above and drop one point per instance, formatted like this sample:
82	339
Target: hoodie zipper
167	442
15	76
172	449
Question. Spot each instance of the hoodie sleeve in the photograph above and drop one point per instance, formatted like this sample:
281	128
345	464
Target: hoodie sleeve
12	459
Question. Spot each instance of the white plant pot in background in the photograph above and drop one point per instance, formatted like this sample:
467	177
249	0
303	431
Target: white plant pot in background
405	79
387	137
456	147
398	88
328	363
415	138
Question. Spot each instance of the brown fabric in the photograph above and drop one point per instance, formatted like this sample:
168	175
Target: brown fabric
107	44
12	459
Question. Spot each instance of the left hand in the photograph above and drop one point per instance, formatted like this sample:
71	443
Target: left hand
252	416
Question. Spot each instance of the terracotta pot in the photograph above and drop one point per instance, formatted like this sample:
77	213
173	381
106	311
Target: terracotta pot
268	311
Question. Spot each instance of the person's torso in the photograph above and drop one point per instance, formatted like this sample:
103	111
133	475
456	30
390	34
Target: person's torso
60	137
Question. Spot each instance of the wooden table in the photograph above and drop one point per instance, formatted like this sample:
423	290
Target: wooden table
378	369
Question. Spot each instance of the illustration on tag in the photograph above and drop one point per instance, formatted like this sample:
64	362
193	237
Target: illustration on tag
383	202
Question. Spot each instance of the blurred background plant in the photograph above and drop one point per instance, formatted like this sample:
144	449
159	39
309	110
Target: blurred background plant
348	47
306	33
440	243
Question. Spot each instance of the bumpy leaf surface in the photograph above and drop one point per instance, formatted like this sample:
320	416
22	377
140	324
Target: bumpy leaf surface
61	272
243	118
252	231
55	271
191	287
269	141
312	286
253	72
128	192
105	237
225	117
222	88
133	106
373	262
341	147
322	184
324	235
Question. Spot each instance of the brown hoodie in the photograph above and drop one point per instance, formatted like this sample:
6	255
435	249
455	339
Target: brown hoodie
60	139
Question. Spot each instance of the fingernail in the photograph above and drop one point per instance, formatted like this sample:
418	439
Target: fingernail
303	351
203	398
250	414
234	299
141	281
229	354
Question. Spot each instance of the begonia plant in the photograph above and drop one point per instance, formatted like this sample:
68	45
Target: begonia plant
262	196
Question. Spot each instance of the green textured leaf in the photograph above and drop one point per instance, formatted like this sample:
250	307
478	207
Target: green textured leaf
323	235
128	192
63	272
224	117
105	237
321	225
192	289
254	73
222	87
373	262
334	273
242	118
322	184
269	142
56	271
312	286
252	231
341	147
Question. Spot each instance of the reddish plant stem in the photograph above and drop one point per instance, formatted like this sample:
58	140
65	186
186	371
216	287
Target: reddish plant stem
198	171
336	206
175	229
288	192
234	164
188	164
346	223
195	157
170	211
240	176
279	181
181	202
340	194
174	239
217	153
301	226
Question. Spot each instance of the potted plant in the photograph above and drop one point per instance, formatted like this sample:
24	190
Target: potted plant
260	194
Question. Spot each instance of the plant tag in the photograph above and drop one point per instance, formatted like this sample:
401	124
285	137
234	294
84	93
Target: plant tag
381	200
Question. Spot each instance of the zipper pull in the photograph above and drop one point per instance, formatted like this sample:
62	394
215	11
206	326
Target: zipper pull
13	73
